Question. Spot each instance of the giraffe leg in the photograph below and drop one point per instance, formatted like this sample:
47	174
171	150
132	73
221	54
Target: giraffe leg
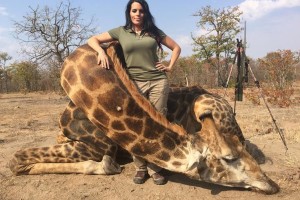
106	167
75	126
81	146
75	157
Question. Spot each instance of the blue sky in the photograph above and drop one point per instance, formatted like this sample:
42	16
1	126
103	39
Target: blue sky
271	24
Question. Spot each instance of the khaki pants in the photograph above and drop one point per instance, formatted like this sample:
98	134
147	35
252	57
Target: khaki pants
156	92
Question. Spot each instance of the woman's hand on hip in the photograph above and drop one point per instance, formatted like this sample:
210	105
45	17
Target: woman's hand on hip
161	67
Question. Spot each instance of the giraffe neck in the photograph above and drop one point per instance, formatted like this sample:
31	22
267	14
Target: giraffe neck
112	103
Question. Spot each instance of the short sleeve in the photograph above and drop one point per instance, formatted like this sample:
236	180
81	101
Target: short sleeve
115	33
161	33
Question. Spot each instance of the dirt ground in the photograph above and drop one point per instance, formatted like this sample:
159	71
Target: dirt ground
32	121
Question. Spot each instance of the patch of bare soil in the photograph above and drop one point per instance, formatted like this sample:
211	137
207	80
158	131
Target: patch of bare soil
32	121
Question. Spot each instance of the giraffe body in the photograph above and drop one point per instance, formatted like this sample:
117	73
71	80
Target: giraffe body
203	141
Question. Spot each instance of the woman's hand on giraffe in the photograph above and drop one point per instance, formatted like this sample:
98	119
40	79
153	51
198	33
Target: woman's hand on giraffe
102	60
161	67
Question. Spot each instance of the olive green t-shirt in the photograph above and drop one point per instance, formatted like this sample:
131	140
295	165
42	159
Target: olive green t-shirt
140	52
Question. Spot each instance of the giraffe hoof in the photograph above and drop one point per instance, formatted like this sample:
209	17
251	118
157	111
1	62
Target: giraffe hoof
110	166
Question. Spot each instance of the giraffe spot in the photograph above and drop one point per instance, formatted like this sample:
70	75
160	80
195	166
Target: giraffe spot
168	142
87	139
101	118
216	115
145	148
79	114
123	139
44	154
118	125
89	127
22	158
176	138
219	169
61	160
45	149
59	154
136	125
208	101
70	76
219	105
75	155
35	155
100	135
112	99
179	154
76	129
163	156
153	130
65	118
176	164
227	109
89	80
47	160
83	98
134	110
85	154
223	115
90	60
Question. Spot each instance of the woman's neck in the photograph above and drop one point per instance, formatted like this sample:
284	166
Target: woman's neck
137	29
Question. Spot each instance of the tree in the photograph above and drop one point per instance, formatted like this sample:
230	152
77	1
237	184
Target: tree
280	73
4	57
52	33
25	75
280	68
217	43
187	72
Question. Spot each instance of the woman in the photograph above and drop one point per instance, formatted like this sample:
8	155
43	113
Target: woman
140	39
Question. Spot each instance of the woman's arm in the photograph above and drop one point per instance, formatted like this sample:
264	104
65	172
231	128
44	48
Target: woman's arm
172	45
95	42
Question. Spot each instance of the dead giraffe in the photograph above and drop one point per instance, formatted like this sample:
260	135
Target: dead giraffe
204	142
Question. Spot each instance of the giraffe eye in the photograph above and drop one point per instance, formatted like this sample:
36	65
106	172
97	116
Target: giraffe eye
230	160
205	115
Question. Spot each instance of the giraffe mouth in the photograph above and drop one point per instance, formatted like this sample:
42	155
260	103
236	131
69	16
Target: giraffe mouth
267	187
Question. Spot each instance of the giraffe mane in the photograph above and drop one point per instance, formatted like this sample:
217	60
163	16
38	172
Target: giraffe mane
115	53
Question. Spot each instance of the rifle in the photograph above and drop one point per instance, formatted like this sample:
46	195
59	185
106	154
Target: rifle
240	58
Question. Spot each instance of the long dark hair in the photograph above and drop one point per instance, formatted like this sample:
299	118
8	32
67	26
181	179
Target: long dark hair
149	22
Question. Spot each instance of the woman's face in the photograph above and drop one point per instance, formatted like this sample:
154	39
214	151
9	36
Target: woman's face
137	14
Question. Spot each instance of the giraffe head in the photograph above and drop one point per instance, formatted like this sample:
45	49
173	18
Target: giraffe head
241	171
224	159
